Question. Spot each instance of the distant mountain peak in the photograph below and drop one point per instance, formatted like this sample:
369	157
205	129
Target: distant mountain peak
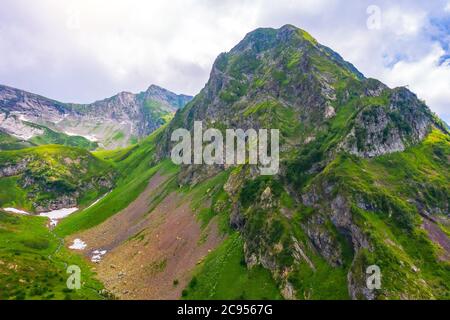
154	87
114	122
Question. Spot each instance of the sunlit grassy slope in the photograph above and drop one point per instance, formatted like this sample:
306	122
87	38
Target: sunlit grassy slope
54	171
134	168
33	262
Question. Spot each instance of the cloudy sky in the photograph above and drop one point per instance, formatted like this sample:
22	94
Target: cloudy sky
85	50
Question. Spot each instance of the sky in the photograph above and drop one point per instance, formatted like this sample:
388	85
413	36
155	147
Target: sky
86	50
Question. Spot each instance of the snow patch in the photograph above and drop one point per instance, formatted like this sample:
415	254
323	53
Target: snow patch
98	255
98	200
57	215
14	210
78	244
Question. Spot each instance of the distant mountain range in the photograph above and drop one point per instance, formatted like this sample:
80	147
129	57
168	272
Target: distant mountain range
114	122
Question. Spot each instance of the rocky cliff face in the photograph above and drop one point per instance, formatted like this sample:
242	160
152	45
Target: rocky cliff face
400	120
320	222
114	122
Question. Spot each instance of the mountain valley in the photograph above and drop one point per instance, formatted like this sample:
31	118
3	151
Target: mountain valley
364	181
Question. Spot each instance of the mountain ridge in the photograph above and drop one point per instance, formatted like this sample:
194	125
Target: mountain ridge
333	121
363	183
113	122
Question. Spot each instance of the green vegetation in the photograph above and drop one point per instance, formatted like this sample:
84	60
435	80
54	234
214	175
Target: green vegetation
224	275
317	225
305	35
157	112
54	171
118	136
33	263
134	168
209	199
387	184
53	137
253	189
8	142
12	195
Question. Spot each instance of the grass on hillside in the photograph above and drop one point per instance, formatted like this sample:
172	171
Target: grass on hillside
56	170
8	142
52	137
33	262
134	168
224	275
392	184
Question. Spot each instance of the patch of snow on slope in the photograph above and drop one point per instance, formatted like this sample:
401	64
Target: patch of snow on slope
78	244
14	210
98	255
57	215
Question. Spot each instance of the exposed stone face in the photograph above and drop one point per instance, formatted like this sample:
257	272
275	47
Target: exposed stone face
112	122
9	170
335	210
379	130
288	291
13	124
325	243
357	287
334	206
65	201
343	220
267	200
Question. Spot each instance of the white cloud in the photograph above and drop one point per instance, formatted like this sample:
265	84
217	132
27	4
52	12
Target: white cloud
447	7
427	77
122	45
85	50
403	23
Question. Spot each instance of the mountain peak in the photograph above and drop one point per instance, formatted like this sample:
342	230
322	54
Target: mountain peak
156	88
114	122
283	78
290	39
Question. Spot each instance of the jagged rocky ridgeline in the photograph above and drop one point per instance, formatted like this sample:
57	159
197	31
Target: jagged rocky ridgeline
114	122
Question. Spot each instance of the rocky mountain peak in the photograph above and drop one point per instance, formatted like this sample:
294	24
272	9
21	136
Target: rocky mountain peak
284	79
113	122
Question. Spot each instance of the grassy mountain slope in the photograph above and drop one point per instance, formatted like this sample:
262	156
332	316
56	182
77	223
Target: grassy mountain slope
52	177
52	137
33	262
226	265
114	122
364	180
133	166
8	142
135	169
358	161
